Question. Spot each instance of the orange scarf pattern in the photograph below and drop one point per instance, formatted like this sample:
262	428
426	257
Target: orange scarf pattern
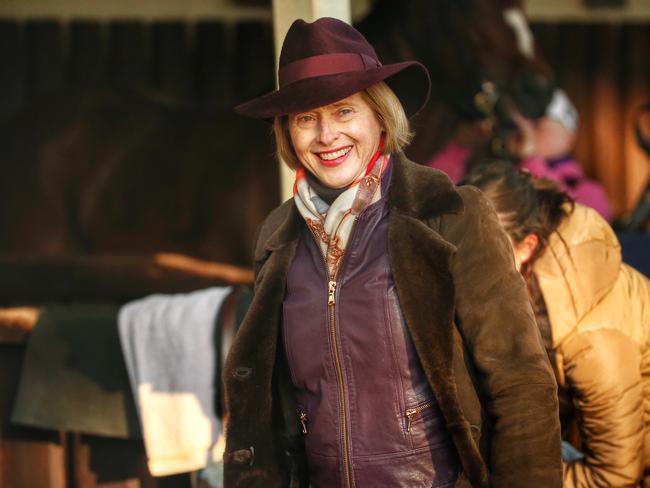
332	225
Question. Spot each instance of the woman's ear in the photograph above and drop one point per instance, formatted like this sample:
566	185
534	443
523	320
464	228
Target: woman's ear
526	248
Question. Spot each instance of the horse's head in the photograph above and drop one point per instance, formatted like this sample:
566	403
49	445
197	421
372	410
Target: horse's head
481	56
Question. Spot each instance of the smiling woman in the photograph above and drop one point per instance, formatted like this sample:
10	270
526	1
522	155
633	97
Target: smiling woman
335	142
379	300
386	107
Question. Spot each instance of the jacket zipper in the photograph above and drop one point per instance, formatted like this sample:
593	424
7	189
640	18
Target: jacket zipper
331	305
412	412
331	324
303	422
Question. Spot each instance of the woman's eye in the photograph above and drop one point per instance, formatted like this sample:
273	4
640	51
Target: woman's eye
305	119
345	111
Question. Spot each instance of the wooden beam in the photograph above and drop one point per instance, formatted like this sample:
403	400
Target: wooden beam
16	323
145	10
39	279
26	463
634	11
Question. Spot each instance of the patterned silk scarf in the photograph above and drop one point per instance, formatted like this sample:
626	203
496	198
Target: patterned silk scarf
332	225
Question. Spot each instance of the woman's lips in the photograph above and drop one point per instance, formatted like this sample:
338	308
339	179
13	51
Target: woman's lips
334	157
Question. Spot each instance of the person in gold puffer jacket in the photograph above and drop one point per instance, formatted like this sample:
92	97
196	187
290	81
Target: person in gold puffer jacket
593	311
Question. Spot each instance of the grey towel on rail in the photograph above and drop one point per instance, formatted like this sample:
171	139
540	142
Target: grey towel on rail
168	343
73	376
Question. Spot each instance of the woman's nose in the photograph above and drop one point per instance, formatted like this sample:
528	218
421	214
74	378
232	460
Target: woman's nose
328	133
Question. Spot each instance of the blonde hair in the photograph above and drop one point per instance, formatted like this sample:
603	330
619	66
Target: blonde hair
388	109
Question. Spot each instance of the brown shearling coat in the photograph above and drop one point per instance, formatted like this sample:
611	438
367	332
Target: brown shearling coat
467	310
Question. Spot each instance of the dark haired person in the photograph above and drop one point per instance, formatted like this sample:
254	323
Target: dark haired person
372	353
542	146
594	313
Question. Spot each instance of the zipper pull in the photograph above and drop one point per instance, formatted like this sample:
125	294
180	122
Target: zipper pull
303	422
410	413
331	291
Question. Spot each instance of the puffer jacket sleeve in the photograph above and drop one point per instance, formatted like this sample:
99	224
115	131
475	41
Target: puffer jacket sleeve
602	368
496	321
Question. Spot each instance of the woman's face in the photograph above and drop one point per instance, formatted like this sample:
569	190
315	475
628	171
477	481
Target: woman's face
335	142
552	139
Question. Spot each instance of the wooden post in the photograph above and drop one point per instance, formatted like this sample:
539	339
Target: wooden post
284	13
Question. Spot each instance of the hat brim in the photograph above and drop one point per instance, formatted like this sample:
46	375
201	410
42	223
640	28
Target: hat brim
409	80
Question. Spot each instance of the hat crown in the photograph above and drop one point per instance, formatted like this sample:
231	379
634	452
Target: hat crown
328	60
323	36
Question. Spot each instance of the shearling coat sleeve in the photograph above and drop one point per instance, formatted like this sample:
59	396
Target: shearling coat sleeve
602	369
515	380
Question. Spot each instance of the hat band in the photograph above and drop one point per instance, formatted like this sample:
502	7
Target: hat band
325	64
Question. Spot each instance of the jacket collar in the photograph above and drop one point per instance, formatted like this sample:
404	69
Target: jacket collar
421	192
415	190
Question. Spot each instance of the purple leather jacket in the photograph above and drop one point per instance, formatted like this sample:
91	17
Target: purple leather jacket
366	409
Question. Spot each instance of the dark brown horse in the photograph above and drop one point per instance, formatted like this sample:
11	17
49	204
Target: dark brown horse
119	172
123	171
464	44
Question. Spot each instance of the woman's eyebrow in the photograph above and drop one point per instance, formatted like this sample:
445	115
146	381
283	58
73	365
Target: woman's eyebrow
343	102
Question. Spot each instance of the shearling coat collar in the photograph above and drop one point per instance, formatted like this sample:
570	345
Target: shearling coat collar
410	182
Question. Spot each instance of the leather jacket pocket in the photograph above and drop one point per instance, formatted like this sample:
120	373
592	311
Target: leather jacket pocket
423	422
417	412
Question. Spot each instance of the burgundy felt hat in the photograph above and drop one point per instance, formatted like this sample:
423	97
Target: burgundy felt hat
327	60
